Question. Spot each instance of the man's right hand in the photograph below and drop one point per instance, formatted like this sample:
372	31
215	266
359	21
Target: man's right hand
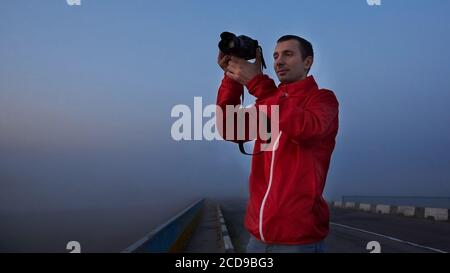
223	60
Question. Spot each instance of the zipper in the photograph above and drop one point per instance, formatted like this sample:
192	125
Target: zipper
261	210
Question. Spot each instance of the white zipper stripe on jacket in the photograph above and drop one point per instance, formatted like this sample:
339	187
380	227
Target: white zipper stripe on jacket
261	210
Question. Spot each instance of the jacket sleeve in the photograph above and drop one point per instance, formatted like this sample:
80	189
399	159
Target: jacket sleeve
299	123
311	121
262	87
229	94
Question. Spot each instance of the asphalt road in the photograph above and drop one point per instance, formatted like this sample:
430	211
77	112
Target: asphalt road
352	230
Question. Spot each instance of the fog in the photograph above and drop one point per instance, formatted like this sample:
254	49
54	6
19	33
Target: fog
86	94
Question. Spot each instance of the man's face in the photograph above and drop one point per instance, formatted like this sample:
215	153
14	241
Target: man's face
288	62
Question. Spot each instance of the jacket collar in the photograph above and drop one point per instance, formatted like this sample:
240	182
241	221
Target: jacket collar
299	87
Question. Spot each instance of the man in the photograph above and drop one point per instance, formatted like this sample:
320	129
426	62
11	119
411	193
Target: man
286	211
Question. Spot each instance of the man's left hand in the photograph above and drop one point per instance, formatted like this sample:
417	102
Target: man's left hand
243	71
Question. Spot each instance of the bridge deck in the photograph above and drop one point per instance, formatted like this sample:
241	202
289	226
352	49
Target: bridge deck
351	230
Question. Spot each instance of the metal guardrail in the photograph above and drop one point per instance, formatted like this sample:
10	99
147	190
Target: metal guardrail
172	235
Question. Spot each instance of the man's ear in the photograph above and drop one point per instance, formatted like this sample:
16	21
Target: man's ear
308	62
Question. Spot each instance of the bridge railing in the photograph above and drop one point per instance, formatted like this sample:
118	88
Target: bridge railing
172	235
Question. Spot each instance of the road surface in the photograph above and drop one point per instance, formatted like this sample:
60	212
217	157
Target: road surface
351	231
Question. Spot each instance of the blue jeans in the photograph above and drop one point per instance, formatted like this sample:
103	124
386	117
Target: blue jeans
256	246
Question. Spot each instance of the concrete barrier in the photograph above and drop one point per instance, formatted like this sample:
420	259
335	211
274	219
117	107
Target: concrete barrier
419	212
393	209
437	214
383	209
349	205
228	245
172	235
365	207
406	210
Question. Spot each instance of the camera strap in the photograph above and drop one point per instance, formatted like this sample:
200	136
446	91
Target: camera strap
241	143
242	149
263	63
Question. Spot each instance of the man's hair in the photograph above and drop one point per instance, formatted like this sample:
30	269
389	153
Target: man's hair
305	47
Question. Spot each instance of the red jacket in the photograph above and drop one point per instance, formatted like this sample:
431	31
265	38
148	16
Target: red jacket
286	184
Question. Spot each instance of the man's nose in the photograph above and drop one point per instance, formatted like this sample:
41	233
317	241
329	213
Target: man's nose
279	63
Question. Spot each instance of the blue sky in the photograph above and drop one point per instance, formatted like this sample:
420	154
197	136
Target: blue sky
86	94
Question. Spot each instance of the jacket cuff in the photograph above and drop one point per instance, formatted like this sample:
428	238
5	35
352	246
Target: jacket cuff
229	82
230	90
260	86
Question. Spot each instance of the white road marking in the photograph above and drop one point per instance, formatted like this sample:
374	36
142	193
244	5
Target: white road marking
388	237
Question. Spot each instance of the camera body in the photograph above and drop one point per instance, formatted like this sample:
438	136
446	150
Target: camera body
240	46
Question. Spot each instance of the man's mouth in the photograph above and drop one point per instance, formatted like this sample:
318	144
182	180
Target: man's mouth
282	71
